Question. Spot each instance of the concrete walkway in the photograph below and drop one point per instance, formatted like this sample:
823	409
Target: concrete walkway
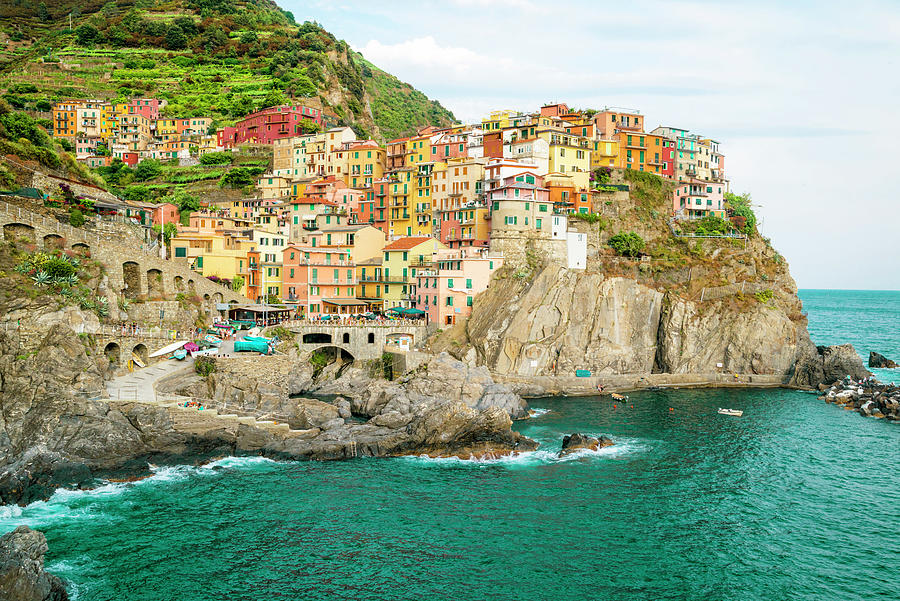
140	385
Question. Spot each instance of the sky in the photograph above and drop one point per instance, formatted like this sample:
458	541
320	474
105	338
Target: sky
803	96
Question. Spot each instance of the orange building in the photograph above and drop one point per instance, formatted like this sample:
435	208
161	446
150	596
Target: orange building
65	119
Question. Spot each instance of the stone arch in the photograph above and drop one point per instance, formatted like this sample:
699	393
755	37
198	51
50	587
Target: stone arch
218	298
81	249
337	352
371	338
131	275
179	283
206	297
345	338
16	231
54	241
317	338
140	349
155	283
114	353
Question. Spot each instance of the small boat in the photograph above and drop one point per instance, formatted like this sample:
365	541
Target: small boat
169	348
213	340
618	397
209	351
734	412
180	354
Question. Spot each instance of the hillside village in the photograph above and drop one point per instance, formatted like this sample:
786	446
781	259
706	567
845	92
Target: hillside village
342	225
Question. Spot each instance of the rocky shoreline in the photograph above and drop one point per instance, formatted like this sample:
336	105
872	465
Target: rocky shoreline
22	575
869	397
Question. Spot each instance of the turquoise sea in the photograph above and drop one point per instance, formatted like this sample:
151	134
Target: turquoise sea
796	500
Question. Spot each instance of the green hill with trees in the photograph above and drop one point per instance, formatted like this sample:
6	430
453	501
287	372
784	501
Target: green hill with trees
218	58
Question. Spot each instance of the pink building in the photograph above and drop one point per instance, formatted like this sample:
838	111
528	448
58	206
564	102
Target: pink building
447	291
146	107
269	124
320	279
695	198
165	213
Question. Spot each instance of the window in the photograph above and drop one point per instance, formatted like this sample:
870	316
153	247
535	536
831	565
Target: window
468	301
449	301
449	283
468	283
180	252
537	223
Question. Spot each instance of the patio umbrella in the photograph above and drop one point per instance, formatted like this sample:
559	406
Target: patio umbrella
413	311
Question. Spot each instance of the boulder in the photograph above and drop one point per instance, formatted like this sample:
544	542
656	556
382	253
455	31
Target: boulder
22	575
877	360
840	361
577	442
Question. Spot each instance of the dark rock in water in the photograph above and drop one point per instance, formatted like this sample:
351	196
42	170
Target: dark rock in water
577	442
840	361
22	575
880	361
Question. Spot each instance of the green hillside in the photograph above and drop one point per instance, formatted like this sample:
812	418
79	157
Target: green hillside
223	58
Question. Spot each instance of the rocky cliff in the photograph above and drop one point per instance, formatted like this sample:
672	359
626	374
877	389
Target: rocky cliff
22	575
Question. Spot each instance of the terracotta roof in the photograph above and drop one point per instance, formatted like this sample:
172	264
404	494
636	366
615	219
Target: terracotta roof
407	243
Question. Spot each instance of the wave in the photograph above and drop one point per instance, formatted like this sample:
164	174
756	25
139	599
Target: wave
536	412
67	504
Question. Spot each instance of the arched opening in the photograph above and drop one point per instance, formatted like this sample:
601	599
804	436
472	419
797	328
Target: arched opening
18	231
113	353
317	338
140	353
81	249
206	297
131	275
371	338
179	283
54	242
346	338
191	285
155	283
218	298
330	361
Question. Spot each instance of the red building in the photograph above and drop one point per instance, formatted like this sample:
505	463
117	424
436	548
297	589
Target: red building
668	159
268	125
165	213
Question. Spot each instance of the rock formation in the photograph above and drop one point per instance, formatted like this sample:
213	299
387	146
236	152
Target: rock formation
877	360
22	575
870	399
579	442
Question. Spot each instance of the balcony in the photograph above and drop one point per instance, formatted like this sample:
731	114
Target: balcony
628	126
385	279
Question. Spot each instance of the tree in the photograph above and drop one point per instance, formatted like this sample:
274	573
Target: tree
187	25
86	34
175	39
43	105
136	193
184	201
147	169
237	178
76	218
168	231
627	244
249	37
237	283
43	13
740	205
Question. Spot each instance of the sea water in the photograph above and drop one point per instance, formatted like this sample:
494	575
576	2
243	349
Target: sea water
797	499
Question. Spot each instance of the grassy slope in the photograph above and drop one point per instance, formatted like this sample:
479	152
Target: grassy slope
241	53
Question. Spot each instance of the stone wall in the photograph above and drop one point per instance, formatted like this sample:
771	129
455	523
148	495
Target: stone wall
50	185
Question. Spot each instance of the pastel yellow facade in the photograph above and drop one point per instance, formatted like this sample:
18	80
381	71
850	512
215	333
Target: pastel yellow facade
400	264
400	217
604	153
418	150
569	154
422	201
365	164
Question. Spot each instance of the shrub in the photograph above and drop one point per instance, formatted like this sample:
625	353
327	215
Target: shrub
205	365
764	296
627	244
215	158
76	218
740	205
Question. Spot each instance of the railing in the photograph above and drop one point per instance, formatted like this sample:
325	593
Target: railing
348	321
383	278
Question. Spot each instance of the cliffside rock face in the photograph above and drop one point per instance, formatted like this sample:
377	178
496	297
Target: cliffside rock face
567	320
580	442
840	361
22	575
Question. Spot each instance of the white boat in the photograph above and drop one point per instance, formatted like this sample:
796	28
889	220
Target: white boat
169	348
204	352
734	412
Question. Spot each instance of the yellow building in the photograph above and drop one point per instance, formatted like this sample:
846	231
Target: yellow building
604	153
365	164
213	253
399	215
569	154
422	206
506	119
418	150
402	260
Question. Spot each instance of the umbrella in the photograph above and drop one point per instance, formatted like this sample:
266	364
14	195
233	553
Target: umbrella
393	310
413	312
